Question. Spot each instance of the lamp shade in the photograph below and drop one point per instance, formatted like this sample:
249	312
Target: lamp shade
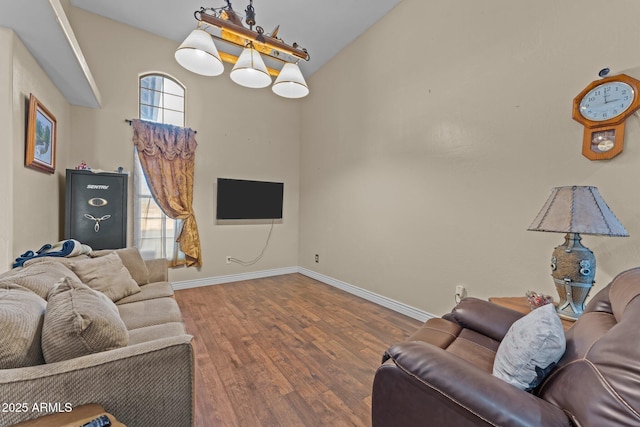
290	82
577	209
198	54
250	70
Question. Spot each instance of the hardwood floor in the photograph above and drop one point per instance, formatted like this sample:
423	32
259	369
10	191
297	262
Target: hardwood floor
286	351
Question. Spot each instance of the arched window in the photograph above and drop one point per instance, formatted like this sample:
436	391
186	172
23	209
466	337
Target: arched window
161	100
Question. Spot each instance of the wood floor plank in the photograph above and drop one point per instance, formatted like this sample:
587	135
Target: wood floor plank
286	351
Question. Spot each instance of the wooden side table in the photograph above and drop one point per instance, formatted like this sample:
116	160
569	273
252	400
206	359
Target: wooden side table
522	305
77	417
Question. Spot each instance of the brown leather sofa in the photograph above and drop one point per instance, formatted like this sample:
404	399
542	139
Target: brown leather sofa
442	375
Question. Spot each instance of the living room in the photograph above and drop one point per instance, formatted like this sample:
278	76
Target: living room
422	154
383	183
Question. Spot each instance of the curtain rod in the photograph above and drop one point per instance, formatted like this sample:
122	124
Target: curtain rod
130	121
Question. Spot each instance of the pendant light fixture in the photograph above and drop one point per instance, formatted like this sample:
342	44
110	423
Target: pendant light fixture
199	54
250	70
290	82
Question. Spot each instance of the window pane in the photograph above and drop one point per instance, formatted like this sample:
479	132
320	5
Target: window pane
171	228
152	226
151	114
150	97
152	82
173	102
172	87
142	190
149	248
175	118
152	210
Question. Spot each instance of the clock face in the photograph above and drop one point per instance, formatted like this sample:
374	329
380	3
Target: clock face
606	101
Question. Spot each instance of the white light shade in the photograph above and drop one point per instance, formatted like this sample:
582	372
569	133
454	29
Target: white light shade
250	70
198	54
290	82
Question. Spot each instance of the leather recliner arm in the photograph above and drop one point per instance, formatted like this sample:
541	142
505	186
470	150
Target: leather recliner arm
483	317
427	384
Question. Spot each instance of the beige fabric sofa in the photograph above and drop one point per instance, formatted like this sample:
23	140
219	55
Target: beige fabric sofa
147	382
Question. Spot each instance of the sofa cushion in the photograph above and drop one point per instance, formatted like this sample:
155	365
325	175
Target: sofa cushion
80	321
155	332
39	276
106	274
437	331
477	349
149	291
158	271
150	312
530	349
21	317
132	260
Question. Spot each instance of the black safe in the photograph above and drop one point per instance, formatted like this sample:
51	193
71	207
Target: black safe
96	209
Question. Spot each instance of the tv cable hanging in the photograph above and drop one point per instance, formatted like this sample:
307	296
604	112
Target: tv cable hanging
259	257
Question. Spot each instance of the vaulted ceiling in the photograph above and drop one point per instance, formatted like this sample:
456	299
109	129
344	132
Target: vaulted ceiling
322	27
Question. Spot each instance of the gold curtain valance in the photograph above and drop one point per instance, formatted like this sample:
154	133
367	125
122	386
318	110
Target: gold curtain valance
166	140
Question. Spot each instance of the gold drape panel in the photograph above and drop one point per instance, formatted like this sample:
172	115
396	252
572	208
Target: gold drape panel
167	157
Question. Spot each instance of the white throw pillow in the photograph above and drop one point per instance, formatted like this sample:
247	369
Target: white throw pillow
530	349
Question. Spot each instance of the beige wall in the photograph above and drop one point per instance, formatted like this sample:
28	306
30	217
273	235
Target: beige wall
37	197
432	141
6	135
242	133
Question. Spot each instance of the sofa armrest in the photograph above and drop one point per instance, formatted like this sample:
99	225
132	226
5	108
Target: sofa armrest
425	382
147	384
158	270
484	317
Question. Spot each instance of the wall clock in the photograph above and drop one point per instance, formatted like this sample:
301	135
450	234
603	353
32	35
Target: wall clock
602	108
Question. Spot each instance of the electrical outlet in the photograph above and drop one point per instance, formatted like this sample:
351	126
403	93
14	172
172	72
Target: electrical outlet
228	259
317	258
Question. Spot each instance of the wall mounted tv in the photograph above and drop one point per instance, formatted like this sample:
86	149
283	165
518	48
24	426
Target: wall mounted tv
242	199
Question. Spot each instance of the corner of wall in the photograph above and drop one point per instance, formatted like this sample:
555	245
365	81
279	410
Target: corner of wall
6	134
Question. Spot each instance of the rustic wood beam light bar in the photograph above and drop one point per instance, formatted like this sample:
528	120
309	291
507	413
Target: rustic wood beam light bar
257	37
199	54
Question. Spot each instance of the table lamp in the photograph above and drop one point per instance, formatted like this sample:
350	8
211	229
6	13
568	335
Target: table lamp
575	210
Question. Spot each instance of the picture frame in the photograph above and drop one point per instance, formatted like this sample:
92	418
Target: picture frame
41	137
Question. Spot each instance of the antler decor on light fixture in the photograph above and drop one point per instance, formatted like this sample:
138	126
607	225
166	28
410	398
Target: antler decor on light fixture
198	52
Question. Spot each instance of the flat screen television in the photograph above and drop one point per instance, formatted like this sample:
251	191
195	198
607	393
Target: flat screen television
243	199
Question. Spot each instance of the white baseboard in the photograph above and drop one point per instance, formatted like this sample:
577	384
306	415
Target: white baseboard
389	303
186	284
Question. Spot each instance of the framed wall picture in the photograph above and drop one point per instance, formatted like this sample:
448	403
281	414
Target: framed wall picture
41	137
